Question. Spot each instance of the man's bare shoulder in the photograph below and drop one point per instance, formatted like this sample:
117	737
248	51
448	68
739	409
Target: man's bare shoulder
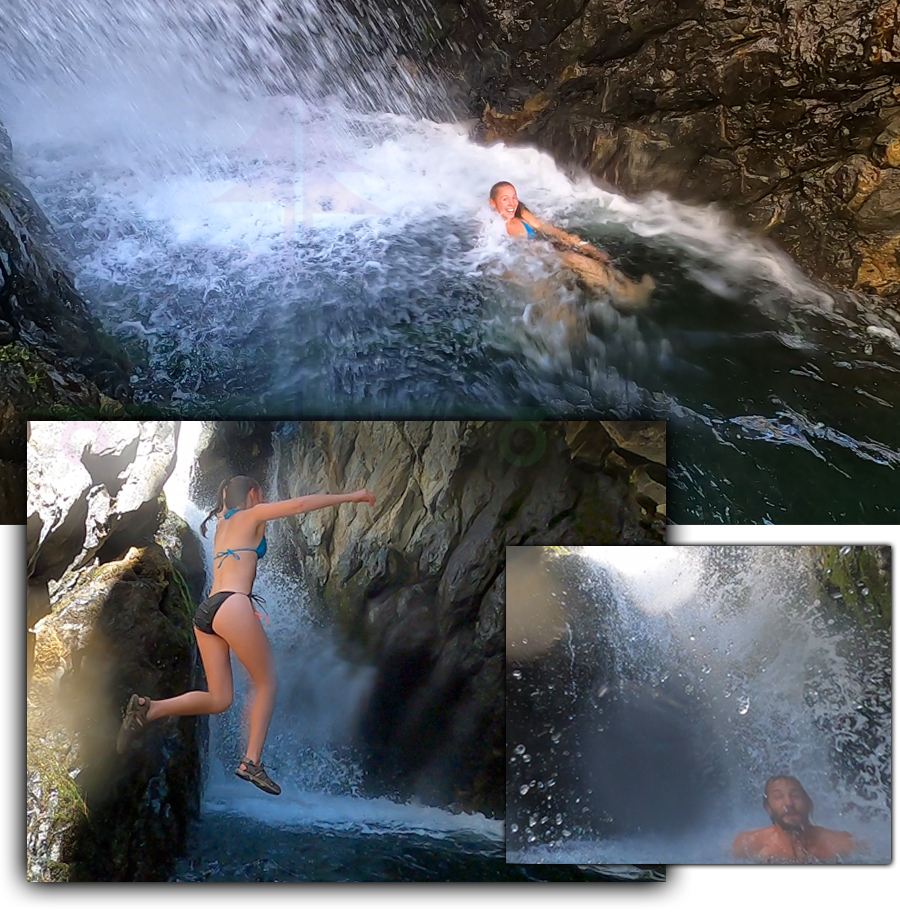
750	843
833	842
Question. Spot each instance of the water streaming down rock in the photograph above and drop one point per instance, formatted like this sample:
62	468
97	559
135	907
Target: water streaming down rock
648	729
263	239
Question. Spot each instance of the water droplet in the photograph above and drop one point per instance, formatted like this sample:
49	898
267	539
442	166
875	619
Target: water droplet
524	789
524	641
520	749
688	688
559	818
551	782
517	674
545	820
555	737
532	821
526	757
865	591
743	704
845	550
567	833
706	668
514	828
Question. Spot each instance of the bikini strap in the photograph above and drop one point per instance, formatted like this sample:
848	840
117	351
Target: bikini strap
224	555
260	601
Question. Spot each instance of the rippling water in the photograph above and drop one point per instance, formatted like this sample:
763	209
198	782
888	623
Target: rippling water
261	255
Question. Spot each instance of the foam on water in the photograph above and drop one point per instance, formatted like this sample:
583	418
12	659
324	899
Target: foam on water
295	809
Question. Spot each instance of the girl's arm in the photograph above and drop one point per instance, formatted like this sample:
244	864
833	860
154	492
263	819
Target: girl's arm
570	241
293	506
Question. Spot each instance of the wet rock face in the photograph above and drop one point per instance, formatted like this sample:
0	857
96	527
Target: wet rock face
787	112
855	582
39	306
52	357
419	579
5	148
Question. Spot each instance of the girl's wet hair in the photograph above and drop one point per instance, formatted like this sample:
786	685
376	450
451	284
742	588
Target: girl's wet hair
496	189
233	493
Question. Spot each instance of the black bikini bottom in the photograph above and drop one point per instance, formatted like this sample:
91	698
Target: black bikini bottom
207	610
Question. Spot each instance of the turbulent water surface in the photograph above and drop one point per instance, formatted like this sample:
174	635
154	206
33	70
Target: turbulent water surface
261	254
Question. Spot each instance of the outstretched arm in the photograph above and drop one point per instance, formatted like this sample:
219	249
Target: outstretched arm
293	506
564	238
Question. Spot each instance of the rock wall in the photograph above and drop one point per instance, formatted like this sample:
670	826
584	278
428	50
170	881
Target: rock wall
418	582
785	112
109	614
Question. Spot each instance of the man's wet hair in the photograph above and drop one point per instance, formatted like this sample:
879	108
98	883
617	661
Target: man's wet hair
784	777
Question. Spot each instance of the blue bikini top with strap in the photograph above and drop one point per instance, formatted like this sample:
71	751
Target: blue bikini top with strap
531	233
260	550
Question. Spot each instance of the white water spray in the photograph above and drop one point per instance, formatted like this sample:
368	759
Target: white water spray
729	666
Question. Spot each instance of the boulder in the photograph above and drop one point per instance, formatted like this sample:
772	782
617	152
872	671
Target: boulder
94	815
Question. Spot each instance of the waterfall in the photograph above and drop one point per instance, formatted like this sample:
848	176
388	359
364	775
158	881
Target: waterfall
310	749
273	218
700	673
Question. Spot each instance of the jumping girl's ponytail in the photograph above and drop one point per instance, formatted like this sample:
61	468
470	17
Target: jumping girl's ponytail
220	503
233	493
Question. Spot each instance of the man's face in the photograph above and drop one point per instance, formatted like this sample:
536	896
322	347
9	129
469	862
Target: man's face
788	805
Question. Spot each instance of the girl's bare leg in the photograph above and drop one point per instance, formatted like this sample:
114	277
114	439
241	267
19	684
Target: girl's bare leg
237	624
217	665
608	279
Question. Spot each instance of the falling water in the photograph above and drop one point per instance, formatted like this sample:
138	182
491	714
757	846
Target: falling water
265	219
702	672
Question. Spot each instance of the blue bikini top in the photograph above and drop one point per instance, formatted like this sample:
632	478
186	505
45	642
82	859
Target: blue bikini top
260	550
530	231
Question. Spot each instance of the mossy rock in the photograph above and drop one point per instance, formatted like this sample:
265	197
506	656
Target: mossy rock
855	581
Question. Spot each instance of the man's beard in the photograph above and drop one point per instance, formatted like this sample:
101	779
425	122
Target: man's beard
792	828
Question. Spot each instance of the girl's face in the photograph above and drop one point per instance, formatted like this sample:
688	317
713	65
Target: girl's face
506	202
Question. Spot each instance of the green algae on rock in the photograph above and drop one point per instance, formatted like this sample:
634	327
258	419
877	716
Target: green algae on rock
856	582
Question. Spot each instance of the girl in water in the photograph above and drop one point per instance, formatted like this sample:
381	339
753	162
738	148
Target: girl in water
227	621
590	264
